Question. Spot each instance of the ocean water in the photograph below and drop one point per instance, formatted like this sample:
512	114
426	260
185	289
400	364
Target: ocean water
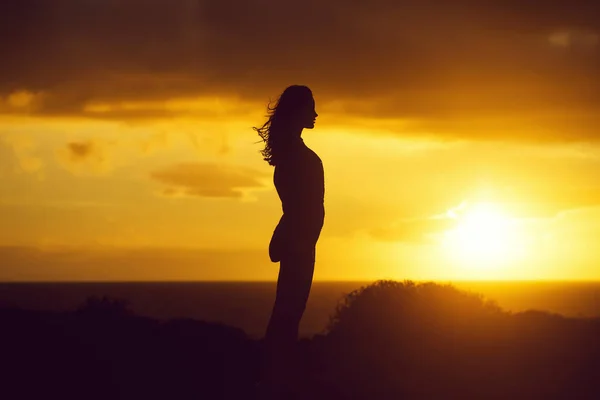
247	304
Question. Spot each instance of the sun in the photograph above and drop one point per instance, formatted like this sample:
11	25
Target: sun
484	236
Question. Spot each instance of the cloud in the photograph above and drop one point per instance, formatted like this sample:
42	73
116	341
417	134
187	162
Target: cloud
522	202
481	70
81	150
549	202
208	180
574	38
20	102
85	157
154	142
568	235
25	150
130	264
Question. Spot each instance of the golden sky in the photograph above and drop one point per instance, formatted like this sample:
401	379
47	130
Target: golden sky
460	140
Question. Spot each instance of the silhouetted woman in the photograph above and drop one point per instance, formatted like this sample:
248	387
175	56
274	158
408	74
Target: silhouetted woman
299	181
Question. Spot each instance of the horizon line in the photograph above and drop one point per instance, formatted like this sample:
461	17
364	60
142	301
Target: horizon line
361	281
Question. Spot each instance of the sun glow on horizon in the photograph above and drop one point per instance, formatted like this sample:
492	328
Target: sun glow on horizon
485	238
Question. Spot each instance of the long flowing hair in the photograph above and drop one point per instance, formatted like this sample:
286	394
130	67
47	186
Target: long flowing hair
275	133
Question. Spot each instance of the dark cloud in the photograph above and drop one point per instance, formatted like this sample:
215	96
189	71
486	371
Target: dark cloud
208	180
80	150
84	157
479	69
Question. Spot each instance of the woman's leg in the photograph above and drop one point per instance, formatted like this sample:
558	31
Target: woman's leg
293	287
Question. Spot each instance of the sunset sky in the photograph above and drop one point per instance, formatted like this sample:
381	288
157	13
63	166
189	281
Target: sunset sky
460	139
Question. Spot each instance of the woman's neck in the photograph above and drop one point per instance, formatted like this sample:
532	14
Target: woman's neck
297	133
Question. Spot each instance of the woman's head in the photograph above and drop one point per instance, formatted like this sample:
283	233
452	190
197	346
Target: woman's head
293	111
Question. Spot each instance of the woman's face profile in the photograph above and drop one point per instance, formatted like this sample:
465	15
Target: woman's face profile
309	115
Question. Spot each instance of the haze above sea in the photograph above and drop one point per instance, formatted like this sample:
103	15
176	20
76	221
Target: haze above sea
247	304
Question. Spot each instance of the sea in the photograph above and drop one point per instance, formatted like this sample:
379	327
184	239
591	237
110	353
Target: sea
247	305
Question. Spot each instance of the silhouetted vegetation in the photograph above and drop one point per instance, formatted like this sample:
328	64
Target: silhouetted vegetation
389	340
105	307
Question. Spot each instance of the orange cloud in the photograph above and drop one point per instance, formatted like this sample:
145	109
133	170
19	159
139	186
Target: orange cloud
85	157
84	264
25	151
208	180
81	150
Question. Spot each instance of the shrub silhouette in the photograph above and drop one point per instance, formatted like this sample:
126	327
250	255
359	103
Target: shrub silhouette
405	307
393	339
388	340
105	306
